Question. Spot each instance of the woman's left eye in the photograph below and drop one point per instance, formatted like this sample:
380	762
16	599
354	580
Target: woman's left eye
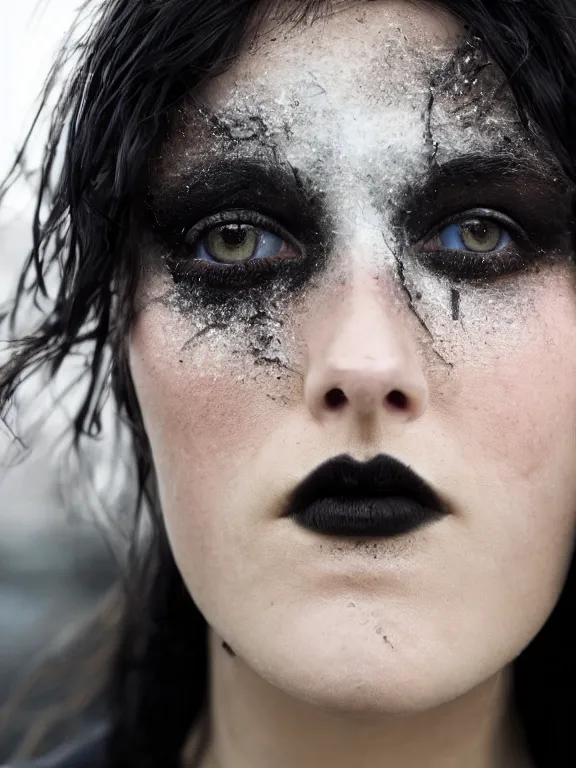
237	243
477	245
475	235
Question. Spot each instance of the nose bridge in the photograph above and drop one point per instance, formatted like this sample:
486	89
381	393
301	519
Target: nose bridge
363	359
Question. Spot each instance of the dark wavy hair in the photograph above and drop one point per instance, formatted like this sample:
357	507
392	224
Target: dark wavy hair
137	63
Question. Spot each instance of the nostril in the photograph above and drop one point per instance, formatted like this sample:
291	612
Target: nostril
397	399
335	398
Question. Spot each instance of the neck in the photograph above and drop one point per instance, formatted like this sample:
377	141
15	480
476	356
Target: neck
255	725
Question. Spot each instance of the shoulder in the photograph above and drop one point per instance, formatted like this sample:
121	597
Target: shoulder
88	752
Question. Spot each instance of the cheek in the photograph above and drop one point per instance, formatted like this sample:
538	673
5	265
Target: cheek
518	386
499	437
206	413
509	415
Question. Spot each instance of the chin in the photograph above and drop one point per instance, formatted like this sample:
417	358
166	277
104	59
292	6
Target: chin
360	672
348	690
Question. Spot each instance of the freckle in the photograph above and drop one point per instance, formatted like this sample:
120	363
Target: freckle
228	650
419	296
351	605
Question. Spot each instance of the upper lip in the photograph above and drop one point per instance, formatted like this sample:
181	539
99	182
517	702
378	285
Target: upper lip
381	476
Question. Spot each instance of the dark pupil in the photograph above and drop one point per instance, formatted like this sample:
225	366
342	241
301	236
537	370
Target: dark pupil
479	230
233	234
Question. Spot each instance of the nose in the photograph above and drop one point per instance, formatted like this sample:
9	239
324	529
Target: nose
363	362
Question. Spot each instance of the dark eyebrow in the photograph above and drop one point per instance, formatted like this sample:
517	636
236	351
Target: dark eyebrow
472	168
538	197
223	183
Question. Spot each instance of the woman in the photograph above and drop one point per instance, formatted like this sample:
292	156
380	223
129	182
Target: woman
329	246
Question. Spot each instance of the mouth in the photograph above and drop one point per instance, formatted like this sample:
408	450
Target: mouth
378	498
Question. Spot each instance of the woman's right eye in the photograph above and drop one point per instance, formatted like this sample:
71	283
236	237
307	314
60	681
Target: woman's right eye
234	249
236	243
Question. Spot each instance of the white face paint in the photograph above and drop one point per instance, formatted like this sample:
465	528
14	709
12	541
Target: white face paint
365	118
360	133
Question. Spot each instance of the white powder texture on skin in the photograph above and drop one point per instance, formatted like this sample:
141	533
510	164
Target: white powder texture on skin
357	137
217	342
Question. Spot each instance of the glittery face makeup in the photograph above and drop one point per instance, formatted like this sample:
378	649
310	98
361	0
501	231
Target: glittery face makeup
351	246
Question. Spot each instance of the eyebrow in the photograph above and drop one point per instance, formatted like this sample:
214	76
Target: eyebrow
476	167
529	190
538	198
266	185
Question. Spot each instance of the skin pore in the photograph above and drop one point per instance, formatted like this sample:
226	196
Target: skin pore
353	144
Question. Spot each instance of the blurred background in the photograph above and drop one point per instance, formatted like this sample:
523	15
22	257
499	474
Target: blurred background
55	564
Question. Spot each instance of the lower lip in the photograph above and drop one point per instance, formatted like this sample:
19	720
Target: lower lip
370	517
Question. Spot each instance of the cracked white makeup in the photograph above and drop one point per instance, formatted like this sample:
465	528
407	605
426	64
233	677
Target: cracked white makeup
407	291
374	153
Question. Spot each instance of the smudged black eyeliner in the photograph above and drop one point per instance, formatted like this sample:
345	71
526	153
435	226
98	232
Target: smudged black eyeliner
268	189
540	207
257	192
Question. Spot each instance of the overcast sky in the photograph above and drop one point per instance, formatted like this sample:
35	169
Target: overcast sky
30	34
30	31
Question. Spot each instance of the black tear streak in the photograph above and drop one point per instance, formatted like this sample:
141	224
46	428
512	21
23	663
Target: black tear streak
455	304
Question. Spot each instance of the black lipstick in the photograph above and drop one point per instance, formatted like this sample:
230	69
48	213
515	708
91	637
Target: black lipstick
381	497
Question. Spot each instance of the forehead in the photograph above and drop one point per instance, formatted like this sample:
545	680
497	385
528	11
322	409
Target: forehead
383	84
343	40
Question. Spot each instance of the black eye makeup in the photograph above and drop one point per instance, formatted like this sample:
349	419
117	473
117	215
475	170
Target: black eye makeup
244	225
480	218
235	246
478	244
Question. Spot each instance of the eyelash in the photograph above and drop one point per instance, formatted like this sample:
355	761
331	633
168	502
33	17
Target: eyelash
228	275
459	265
475	265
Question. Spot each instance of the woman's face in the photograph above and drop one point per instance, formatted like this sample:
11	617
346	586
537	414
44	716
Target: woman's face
355	152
